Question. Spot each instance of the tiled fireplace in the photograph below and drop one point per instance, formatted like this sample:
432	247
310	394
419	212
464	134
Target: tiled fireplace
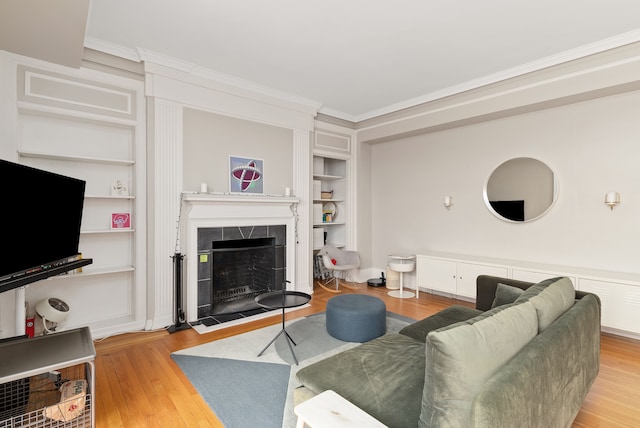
236	247
236	264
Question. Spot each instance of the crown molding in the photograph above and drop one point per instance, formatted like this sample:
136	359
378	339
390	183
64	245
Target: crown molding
154	59
224	82
112	49
228	81
550	61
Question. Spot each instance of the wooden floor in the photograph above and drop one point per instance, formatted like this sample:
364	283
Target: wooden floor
138	385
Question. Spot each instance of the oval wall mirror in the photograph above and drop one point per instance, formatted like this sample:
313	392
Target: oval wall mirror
520	190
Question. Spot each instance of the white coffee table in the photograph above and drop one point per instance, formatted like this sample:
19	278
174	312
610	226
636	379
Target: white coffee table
328	410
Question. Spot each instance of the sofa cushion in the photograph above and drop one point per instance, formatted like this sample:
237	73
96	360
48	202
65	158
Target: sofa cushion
384	377
506	294
551	298
460	358
451	315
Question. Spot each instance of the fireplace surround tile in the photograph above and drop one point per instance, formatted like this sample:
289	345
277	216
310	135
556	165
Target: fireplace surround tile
207	235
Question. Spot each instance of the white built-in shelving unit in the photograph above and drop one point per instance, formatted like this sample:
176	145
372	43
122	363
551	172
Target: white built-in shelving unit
91	126
329	214
332	168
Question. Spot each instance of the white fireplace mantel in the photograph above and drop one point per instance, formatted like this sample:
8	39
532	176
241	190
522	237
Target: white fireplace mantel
204	210
237	198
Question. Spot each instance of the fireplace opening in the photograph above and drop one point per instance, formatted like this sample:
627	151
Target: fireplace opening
234	265
241	270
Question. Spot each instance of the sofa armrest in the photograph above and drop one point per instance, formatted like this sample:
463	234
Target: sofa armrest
486	286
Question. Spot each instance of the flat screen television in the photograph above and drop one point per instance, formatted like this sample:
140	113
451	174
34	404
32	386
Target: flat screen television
41	216
512	210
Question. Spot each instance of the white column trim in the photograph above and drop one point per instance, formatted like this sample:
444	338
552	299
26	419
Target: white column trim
165	187
302	161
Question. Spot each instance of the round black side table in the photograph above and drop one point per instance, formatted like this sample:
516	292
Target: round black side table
282	300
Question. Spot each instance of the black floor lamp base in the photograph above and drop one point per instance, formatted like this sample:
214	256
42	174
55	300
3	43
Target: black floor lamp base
178	327
177	278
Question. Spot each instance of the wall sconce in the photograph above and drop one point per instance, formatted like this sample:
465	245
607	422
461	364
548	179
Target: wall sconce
612	199
448	202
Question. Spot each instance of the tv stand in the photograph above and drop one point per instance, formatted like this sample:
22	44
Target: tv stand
19	283
22	280
71	352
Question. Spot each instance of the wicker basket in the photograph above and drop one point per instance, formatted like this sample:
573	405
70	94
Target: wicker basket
326	194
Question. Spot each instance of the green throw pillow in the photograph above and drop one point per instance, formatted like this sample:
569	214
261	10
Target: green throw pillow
551	298
461	358
506	294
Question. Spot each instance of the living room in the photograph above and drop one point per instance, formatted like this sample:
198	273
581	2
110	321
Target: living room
579	117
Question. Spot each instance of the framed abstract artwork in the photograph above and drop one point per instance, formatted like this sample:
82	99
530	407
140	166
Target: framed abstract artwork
246	175
121	220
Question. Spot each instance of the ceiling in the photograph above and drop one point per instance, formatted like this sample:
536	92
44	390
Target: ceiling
357	59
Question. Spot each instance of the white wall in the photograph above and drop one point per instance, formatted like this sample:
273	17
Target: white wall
209	140
592	146
363	212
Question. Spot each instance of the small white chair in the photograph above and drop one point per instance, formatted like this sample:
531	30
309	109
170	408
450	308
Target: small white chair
345	260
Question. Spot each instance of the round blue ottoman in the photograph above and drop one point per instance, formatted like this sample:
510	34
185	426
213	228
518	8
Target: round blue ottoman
356	317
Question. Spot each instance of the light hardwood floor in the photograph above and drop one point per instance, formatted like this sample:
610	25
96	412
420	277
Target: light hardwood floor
138	385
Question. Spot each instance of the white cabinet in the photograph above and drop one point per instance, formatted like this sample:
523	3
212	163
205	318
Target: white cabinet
538	275
620	303
469	272
453	276
436	274
619	293
456	274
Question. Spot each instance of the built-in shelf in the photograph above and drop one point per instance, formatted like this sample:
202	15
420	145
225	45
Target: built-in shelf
327	177
330	223
108	197
93	232
321	201
75	158
99	271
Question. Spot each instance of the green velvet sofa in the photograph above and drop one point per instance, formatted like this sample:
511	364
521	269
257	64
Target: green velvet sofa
525	357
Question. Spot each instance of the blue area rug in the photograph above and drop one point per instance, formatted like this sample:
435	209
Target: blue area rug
235	389
245	390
